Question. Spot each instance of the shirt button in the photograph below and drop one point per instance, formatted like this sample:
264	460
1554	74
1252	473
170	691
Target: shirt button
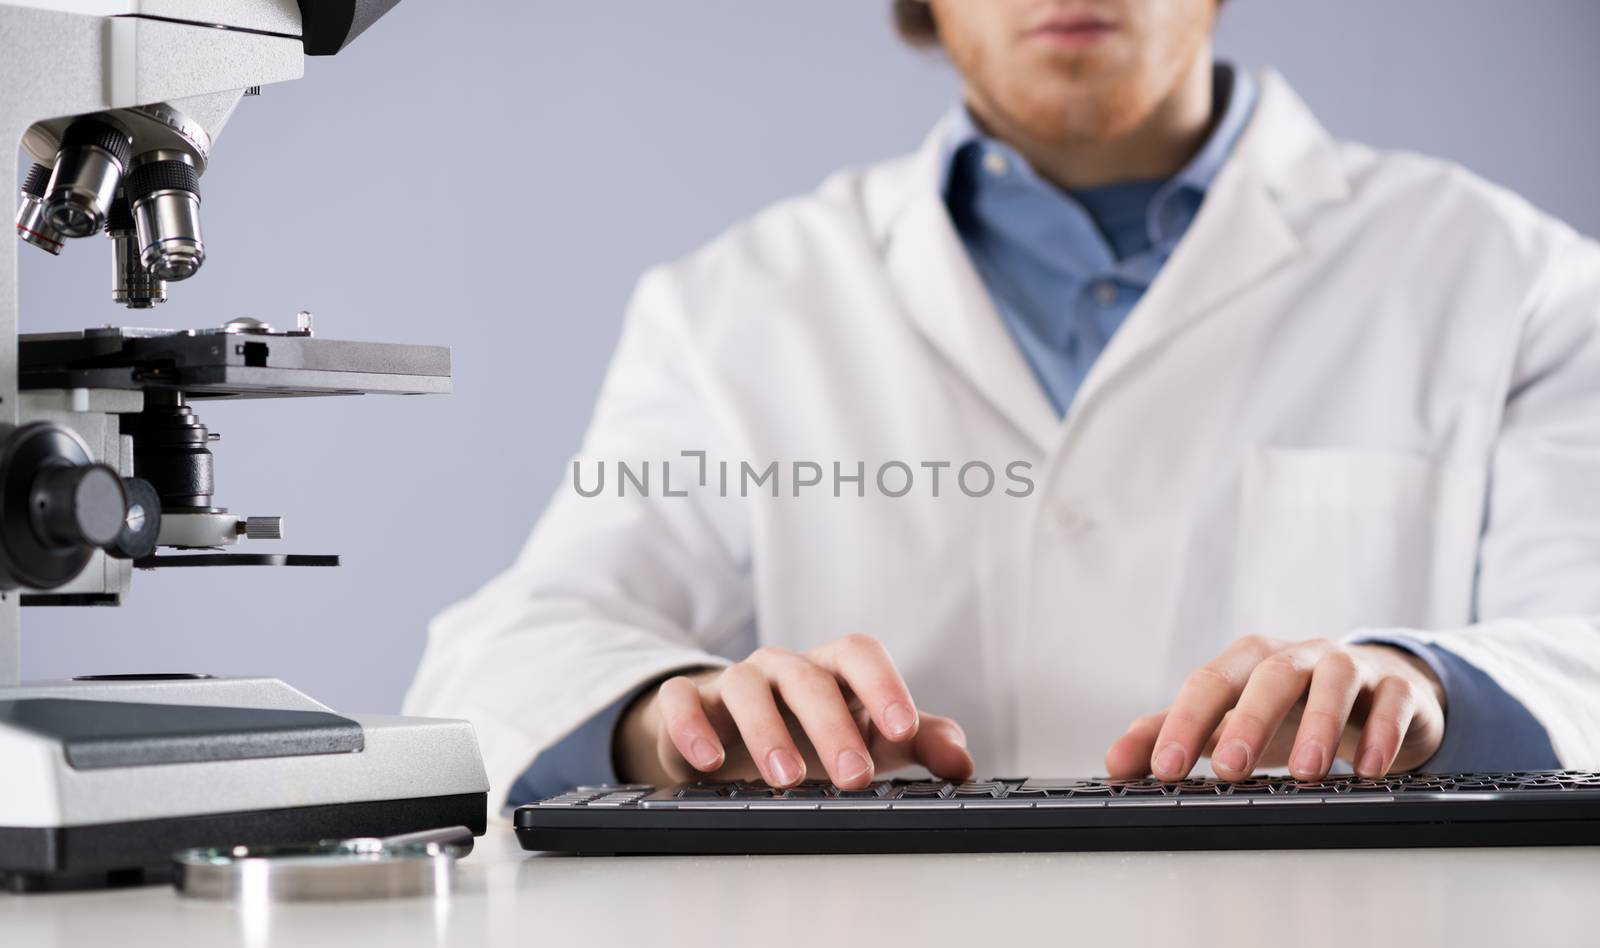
996	164
1071	520
1105	292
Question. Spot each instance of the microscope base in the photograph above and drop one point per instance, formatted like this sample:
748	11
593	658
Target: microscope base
139	853
105	779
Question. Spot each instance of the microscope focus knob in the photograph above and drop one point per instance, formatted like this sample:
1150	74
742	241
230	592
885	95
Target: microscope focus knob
57	506
80	505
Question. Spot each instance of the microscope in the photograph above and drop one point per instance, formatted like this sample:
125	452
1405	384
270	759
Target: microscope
106	467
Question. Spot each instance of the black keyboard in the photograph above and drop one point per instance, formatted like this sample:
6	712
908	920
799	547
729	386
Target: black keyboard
1037	815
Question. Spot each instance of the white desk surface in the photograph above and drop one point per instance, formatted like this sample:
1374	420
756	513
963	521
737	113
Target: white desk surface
1544	897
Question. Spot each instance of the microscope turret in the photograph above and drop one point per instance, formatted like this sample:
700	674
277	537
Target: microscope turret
133	173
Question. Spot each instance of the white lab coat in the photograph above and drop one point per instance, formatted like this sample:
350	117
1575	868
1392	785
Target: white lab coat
1364	393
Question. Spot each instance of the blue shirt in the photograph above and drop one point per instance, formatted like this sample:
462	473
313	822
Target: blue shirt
1065	269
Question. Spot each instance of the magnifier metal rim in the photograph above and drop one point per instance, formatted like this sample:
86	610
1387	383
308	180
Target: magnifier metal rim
316	872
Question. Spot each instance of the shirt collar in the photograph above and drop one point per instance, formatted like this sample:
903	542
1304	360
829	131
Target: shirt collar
1233	87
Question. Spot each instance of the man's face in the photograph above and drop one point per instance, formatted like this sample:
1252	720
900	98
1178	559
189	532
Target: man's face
1070	71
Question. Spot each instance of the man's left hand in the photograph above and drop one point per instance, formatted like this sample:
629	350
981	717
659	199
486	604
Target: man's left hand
1267	703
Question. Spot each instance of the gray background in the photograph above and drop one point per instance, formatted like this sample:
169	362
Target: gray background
494	176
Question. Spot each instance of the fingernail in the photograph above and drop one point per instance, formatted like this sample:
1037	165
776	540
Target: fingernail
959	736
852	765
784	767
899	719
1371	762
1308	761
1169	763
705	755
1233	757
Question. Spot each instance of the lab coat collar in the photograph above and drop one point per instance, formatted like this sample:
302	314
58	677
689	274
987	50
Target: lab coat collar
1284	164
944	295
1290	150
1248	227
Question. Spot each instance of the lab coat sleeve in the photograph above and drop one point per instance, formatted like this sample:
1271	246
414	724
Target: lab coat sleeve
1538	594
581	759
610	592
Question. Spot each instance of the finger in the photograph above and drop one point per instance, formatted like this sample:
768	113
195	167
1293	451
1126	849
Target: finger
747	694
1129	755
862	662
1394	703
1275	686
940	747
812	695
683	718
1206	695
1335	684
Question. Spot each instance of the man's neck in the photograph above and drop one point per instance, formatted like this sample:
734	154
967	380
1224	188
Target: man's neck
1158	148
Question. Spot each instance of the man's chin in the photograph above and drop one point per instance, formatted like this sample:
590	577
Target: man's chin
1079	119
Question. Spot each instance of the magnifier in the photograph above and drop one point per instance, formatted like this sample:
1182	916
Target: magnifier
413	864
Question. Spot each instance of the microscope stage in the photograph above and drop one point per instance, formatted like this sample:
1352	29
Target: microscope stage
218	364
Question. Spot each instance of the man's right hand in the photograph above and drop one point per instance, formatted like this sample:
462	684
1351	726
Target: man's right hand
841	709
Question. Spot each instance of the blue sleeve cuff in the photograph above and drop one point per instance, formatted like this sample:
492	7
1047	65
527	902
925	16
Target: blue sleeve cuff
582	758
1485	729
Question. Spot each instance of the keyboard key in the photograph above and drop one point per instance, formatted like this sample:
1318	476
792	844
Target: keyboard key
1142	782
701	792
1248	789
807	791
625	798
989	790
1037	784
869	793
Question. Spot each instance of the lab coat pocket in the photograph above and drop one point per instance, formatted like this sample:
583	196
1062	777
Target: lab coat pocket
1333	540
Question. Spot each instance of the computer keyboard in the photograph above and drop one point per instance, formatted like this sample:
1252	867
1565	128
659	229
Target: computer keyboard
1041	815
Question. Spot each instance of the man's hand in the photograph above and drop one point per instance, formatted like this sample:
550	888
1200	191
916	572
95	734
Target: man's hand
1266	703
840	709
